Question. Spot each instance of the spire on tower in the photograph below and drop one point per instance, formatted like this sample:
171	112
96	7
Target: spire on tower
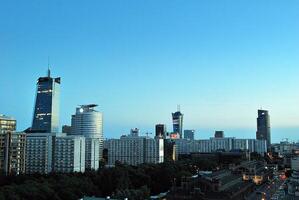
179	107
49	71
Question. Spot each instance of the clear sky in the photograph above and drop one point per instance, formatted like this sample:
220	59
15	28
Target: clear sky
220	60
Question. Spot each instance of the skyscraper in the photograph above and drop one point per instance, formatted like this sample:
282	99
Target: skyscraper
46	110
89	123
177	119
263	127
161	131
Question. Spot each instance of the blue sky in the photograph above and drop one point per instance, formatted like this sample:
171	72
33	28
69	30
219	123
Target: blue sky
220	60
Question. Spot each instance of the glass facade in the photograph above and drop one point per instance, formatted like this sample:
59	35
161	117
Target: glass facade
177	119
46	111
263	127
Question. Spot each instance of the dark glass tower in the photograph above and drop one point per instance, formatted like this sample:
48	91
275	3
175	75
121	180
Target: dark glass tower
263	127
177	120
46	110
161	131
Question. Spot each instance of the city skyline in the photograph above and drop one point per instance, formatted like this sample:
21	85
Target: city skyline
139	65
243	132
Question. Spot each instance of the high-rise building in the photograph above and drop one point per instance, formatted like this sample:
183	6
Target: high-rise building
46	110
89	123
263	127
134	150
69	154
40	152
189	134
177	119
12	147
219	134
226	144
161	131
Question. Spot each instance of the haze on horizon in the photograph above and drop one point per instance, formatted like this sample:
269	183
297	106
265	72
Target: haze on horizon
220	60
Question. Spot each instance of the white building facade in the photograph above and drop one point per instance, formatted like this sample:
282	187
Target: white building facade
135	150
88	122
69	154
185	146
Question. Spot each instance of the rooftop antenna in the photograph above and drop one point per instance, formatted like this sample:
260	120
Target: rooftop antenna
49	72
179	107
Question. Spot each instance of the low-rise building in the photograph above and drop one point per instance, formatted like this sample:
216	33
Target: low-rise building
211	185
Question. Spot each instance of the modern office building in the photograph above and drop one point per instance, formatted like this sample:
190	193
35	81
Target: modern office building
219	134
40	152
161	131
189	134
69	155
177	120
12	147
135	150
263	127
88	122
46	110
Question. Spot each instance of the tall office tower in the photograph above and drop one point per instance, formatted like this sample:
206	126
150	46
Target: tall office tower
161	131
89	123
177	119
46	110
69	154
12	147
219	134
263	127
135	132
39	152
189	134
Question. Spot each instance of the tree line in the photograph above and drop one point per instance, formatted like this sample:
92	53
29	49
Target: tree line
121	181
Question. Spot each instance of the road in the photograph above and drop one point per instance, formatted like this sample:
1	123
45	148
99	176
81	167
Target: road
268	188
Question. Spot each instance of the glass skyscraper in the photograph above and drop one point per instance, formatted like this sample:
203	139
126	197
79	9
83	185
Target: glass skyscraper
46	110
88	122
177	119
263	127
